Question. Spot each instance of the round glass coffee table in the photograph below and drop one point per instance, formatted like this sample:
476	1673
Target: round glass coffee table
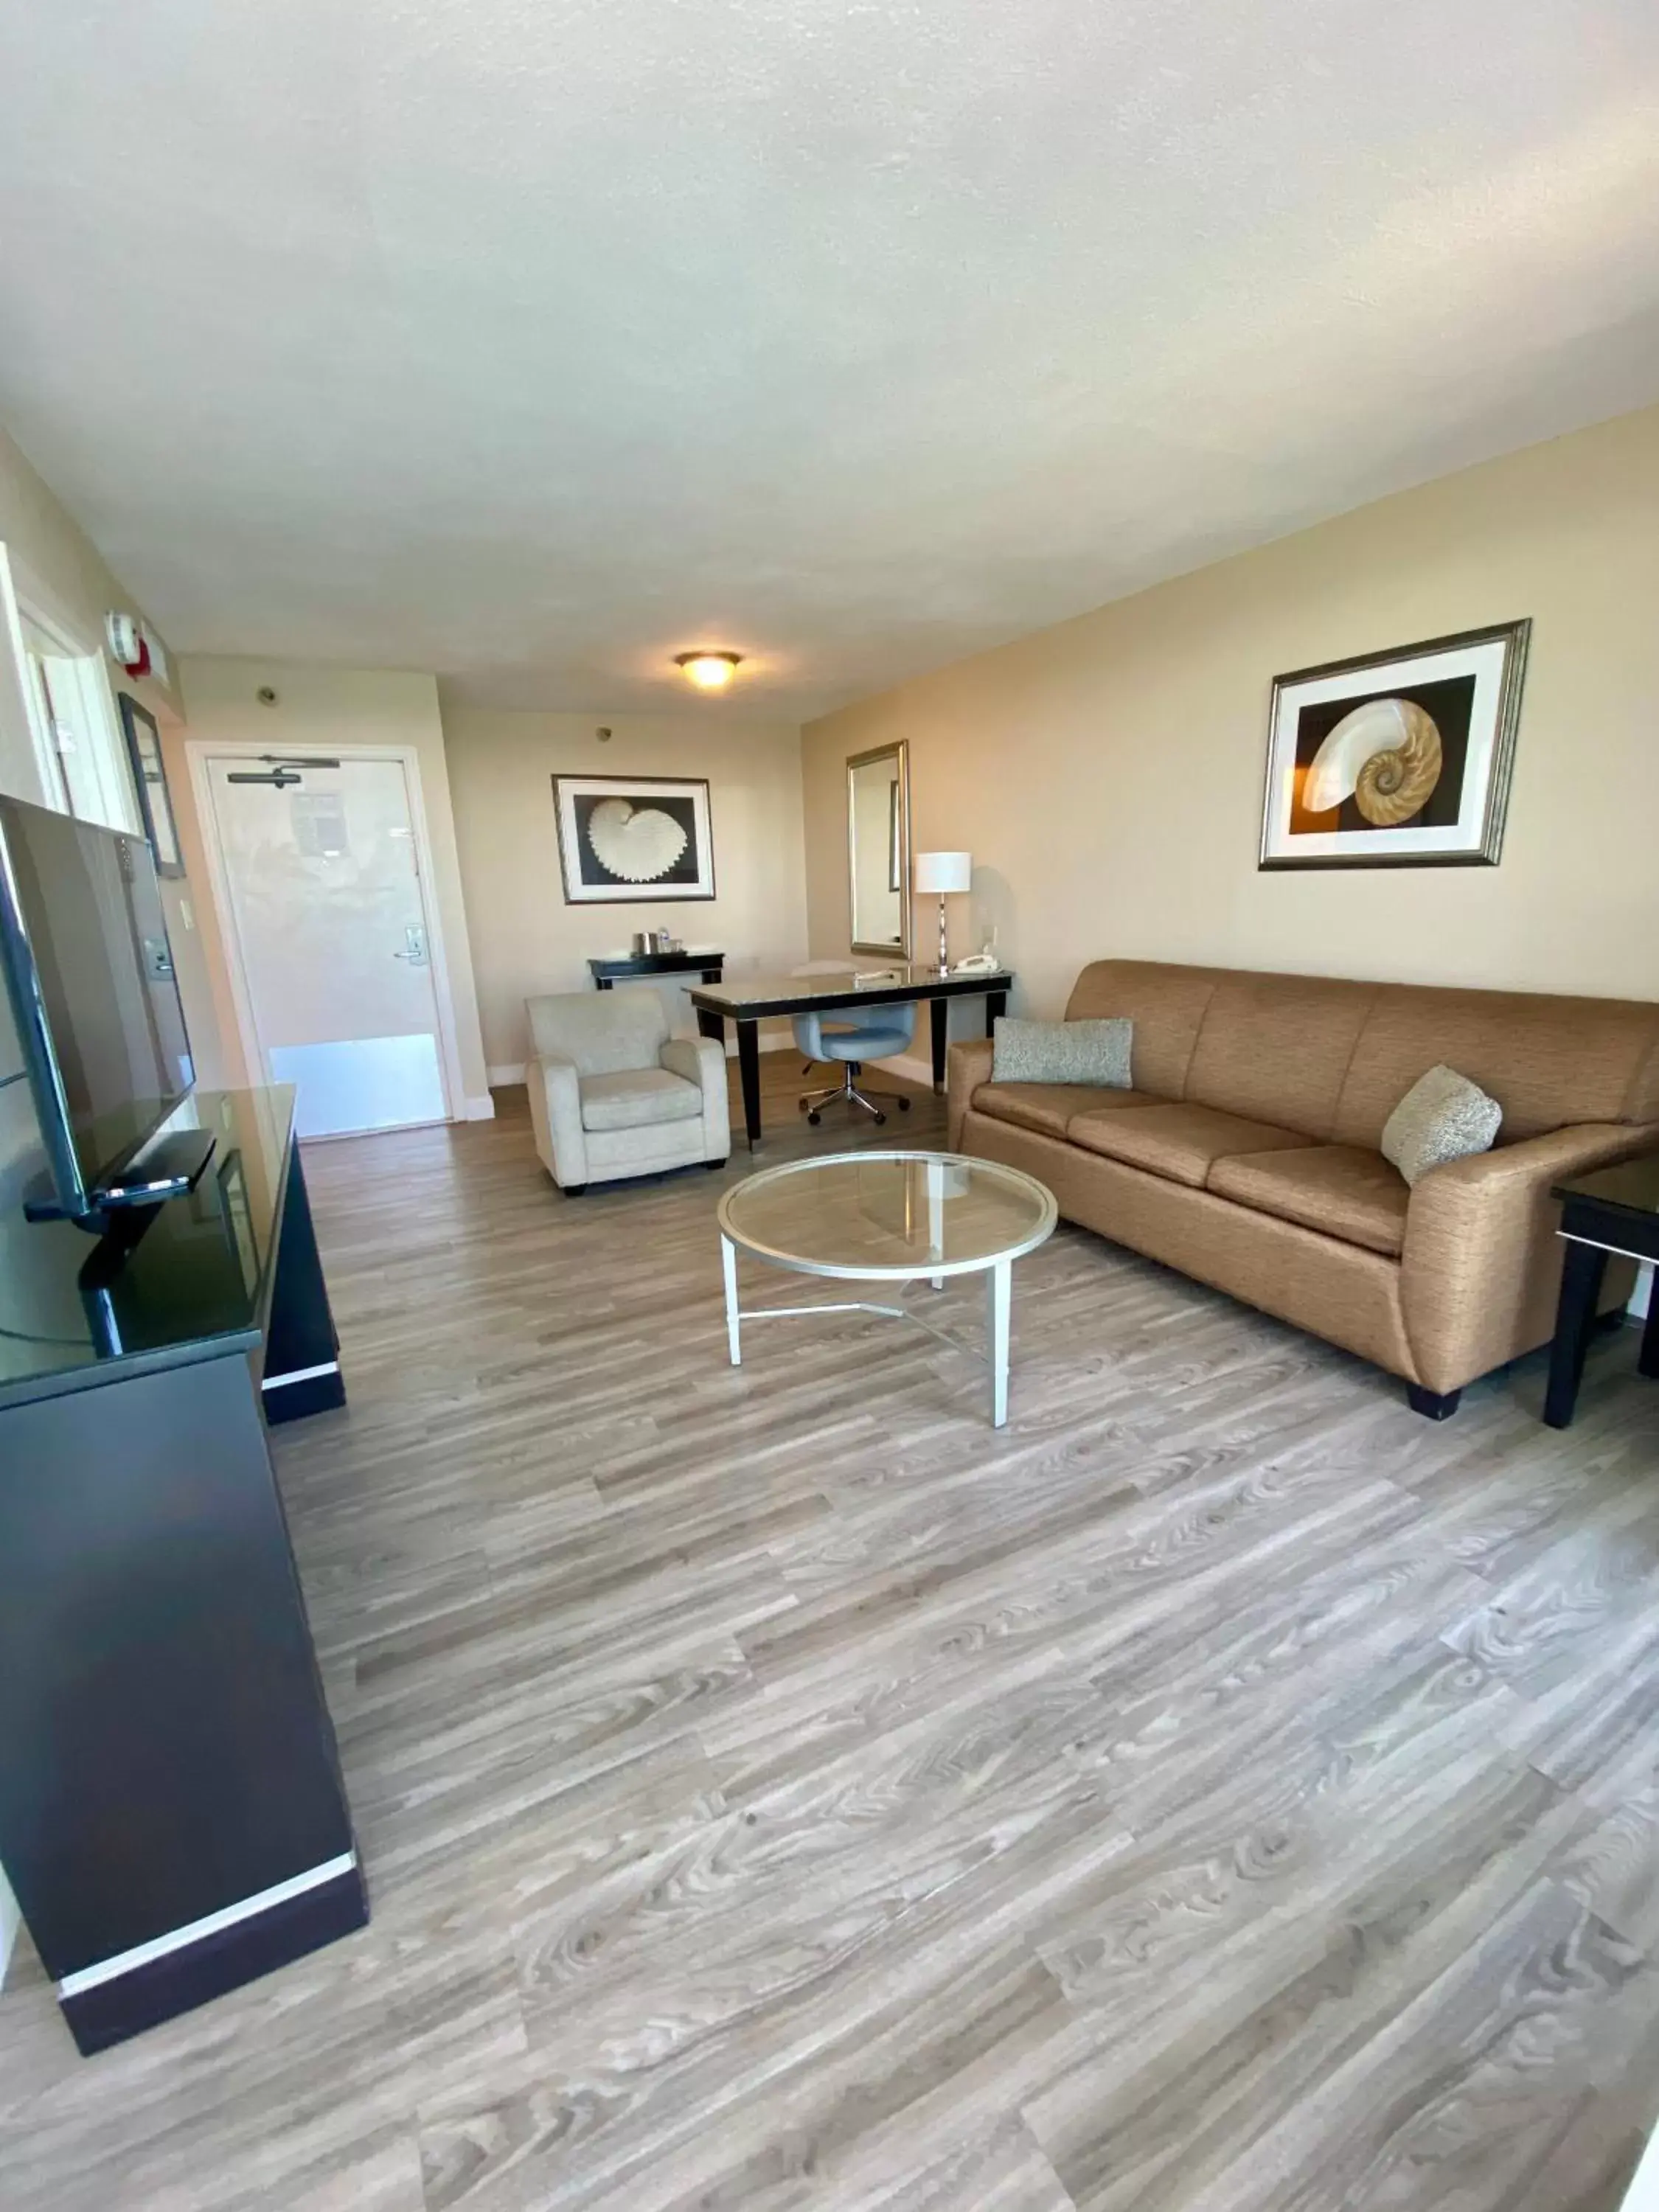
881	1217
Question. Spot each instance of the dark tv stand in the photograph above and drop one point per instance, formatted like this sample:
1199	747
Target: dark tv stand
173	1817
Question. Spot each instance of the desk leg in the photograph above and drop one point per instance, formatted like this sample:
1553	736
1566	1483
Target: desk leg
603	982
748	1070
939	1011
711	1025
996	1002
1647	1361
1575	1317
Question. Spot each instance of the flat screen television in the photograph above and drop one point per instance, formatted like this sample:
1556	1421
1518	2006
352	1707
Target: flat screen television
83	944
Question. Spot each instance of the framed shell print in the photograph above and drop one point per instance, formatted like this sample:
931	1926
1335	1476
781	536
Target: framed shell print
633	840
1397	759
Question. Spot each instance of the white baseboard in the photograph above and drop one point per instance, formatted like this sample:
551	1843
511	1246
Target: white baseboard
482	1109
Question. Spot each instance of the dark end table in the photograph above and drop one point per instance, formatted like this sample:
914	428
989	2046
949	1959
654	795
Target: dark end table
1610	1210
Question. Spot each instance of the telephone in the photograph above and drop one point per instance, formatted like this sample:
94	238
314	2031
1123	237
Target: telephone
978	963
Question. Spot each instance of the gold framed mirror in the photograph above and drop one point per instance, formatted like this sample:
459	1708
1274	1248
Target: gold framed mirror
878	850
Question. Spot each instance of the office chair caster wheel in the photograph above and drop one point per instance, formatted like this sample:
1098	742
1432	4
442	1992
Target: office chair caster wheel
814	1119
881	1120
904	1105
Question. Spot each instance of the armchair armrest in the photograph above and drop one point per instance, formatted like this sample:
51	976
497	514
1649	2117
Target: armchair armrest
701	1060
1481	1269
555	1114
967	1066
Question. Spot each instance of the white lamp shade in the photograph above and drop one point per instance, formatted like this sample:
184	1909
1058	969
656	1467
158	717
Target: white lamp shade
944	872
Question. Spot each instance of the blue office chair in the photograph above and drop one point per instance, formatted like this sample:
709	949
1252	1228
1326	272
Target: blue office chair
878	1035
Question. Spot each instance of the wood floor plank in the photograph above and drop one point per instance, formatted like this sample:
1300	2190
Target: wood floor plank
781	1792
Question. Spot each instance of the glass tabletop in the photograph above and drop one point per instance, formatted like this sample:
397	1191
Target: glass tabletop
881	1215
196	1278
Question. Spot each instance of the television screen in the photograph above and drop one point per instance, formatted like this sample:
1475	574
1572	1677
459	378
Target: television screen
85	947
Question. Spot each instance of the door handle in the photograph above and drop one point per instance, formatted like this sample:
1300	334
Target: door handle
414	946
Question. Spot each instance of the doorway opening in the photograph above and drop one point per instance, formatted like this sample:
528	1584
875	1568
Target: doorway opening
321	873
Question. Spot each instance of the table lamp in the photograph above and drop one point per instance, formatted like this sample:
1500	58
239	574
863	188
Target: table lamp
944	872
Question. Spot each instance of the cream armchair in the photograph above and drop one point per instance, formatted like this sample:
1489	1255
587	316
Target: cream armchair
612	1094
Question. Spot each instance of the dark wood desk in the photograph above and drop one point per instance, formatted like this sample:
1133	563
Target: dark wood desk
1612	1209
750	1003
636	967
172	1814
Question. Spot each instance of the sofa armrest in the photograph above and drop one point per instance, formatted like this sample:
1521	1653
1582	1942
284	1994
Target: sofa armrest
555	1114
967	1066
701	1060
1481	1269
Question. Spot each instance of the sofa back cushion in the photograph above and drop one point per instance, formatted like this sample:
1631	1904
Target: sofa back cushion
1548	1061
1276	1048
602	1031
1332	1058
1166	1005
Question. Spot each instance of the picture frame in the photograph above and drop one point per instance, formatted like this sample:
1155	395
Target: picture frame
149	778
633	840
1395	759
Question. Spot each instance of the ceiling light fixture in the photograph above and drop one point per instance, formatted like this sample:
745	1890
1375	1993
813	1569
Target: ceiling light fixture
709	671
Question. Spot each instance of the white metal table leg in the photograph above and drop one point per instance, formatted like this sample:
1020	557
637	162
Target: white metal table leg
936	1216
729	1268
999	1291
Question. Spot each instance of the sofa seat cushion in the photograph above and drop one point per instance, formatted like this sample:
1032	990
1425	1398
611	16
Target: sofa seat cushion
1341	1190
1048	1107
637	1098
1180	1142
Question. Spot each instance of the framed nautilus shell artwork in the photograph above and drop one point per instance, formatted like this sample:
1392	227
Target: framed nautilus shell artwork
633	840
1395	759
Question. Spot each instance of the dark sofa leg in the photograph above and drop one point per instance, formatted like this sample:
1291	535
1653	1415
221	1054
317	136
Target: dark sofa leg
573	1190
1434	1405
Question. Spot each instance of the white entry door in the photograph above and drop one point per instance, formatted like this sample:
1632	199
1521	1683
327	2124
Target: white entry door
327	899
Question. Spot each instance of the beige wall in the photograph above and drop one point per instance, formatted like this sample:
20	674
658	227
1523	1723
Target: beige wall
1106	774
526	939
326	707
60	576
55	560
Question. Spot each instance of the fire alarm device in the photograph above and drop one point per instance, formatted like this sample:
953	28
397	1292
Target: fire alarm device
126	644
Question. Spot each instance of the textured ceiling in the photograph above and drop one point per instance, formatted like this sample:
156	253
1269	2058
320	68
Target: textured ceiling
532	340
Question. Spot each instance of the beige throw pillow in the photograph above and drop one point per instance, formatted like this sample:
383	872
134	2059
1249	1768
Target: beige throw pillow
1443	1116
1062	1052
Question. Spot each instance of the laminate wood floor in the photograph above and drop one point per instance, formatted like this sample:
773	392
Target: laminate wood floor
1220	1791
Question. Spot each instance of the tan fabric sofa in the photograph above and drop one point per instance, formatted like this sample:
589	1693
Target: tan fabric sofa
1247	1153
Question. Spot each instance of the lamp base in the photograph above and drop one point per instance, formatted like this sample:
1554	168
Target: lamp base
944	942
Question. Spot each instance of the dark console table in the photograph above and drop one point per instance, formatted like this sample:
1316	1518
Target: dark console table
747	1004
172	1814
1609	1211
709	966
